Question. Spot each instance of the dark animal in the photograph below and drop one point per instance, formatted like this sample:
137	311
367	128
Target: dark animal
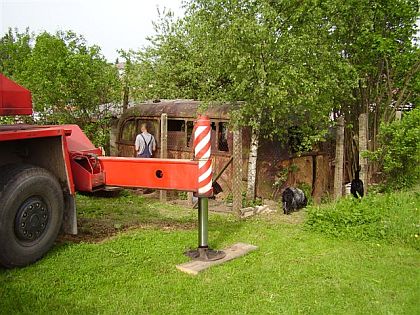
217	189
356	187
293	199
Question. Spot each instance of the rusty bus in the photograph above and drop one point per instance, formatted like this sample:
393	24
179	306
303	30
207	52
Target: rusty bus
276	162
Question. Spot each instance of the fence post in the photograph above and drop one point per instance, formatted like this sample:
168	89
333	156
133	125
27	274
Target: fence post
237	171
163	147
363	147
339	159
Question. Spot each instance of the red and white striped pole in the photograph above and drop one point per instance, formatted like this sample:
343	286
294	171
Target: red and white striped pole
202	150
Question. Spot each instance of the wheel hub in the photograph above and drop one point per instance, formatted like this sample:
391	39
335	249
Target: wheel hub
31	219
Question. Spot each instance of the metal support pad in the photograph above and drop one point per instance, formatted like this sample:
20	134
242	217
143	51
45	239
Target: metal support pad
203	253
232	252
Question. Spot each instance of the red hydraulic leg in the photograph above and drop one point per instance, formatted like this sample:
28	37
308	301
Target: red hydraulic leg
150	173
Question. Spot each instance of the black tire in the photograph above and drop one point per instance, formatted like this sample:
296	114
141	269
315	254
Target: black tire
31	213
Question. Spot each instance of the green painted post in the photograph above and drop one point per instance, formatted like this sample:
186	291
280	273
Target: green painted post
203	222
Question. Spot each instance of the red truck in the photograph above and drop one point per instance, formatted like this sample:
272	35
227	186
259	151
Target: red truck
42	167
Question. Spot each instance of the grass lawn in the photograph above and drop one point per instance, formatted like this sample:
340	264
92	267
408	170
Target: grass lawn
293	271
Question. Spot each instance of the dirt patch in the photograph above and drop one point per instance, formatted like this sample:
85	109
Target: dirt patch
294	217
99	230
96	230
215	205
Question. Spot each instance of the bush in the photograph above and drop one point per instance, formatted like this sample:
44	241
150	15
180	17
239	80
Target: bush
399	153
392	217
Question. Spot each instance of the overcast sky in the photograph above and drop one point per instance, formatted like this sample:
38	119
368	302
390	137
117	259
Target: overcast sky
111	24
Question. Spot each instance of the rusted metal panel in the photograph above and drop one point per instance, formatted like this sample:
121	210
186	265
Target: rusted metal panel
321	182
180	109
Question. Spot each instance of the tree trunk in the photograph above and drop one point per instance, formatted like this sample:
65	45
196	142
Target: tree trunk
237	172
363	147
252	163
339	159
126	93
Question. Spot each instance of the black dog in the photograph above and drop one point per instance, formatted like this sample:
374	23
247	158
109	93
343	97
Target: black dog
356	187
217	189
293	199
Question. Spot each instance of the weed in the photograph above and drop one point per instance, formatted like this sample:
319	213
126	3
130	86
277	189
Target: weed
258	201
399	151
182	195
392	217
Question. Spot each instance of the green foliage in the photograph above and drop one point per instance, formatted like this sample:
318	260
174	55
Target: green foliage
278	58
70	81
183	195
292	62
392	217
7	120
258	201
379	38
283	175
228	198
98	132
281	178
15	48
399	151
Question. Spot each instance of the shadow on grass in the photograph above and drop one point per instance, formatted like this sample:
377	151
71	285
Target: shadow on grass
220	232
101	218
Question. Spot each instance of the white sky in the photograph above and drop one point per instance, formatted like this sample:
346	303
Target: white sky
111	24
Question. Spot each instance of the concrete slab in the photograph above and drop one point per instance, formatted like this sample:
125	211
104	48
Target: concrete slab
232	252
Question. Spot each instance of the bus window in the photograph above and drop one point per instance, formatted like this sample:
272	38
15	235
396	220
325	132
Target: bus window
129	130
223	137
176	133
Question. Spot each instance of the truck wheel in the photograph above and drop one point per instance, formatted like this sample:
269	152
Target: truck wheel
31	213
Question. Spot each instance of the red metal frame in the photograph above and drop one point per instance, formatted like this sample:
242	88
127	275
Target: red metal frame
86	168
150	173
14	99
29	132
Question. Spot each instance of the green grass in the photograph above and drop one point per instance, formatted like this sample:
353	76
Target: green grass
391	217
293	271
129	210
